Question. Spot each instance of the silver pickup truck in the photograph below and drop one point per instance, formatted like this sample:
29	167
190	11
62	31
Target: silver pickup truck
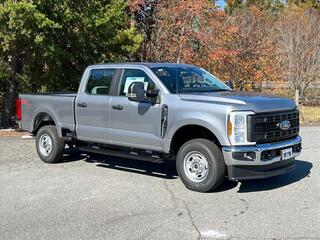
159	111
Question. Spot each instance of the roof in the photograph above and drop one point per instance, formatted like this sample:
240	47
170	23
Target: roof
148	64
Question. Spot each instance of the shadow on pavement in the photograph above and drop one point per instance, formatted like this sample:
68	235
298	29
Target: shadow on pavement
72	155
226	185
301	171
167	170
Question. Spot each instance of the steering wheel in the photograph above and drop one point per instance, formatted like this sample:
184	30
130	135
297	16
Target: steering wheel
196	85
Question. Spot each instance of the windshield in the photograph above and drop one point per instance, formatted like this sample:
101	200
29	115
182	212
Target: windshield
189	79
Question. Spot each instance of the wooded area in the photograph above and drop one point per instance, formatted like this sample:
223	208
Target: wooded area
261	45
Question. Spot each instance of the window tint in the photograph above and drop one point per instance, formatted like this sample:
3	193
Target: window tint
100	81
168	77
189	79
135	75
198	80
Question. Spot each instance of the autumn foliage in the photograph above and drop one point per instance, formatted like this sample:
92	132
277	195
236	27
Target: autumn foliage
260	45
241	43
248	55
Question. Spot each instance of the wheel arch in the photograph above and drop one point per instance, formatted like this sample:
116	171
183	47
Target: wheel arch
41	119
191	131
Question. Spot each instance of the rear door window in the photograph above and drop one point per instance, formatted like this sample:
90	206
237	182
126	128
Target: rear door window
99	81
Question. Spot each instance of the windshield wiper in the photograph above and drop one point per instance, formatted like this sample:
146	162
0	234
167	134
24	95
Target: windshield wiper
217	90
203	90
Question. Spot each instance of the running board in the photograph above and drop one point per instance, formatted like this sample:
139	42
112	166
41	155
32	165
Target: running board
124	154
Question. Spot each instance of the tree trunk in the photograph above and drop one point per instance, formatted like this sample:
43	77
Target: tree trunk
8	105
297	97
11	94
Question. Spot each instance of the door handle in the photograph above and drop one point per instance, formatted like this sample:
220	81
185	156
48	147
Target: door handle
117	107
83	104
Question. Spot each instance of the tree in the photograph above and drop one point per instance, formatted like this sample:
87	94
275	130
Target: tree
298	38
144	16
182	31
271	6
22	27
47	44
305	3
236	47
252	58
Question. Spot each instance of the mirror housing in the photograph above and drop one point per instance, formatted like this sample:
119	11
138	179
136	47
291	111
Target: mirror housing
229	84
136	92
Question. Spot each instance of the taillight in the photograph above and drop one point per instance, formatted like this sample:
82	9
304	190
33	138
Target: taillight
18	109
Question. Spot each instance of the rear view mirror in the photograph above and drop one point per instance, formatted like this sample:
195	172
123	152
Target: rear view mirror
229	84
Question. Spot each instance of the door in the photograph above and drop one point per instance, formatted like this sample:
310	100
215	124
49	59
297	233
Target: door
92	106
135	124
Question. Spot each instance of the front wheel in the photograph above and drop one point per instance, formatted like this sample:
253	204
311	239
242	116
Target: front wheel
200	165
49	146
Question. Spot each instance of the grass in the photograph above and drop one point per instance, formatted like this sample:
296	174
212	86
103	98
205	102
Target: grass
310	115
11	133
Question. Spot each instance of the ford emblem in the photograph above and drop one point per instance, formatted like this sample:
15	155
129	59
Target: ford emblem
284	125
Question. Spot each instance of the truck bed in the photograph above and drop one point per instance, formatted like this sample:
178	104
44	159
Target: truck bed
59	106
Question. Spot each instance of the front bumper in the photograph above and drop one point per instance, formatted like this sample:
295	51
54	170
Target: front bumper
265	159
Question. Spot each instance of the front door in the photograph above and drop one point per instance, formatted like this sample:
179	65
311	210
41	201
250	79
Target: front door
92	106
135	124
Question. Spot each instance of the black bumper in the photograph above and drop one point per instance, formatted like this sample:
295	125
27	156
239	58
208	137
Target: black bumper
247	172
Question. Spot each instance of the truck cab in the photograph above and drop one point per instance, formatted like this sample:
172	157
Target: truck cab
161	111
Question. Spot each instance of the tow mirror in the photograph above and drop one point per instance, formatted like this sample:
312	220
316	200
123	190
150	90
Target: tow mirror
229	84
136	92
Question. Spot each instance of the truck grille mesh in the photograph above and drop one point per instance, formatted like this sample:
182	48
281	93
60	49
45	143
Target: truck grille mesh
264	127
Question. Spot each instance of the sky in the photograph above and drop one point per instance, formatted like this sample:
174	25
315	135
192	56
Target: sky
220	3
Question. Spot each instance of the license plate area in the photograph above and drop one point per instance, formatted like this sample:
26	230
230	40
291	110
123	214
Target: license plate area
286	153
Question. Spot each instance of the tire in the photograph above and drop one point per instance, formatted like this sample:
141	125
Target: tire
48	136
191	165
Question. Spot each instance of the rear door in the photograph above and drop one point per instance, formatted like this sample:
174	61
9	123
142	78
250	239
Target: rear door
93	105
135	124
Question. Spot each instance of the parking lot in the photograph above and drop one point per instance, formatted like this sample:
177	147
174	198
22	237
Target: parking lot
100	197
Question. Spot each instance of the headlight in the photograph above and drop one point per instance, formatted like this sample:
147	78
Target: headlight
237	128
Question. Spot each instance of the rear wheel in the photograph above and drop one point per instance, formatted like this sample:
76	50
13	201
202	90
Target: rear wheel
49	146
200	165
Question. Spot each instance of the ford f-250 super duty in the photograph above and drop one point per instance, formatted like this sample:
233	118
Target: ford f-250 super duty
158	111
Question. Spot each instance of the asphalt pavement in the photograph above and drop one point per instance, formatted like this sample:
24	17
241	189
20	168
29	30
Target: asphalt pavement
101	197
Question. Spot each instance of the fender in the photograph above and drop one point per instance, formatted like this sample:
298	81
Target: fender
51	114
214	128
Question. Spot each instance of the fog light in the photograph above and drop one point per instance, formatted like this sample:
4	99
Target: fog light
269	154
297	148
244	156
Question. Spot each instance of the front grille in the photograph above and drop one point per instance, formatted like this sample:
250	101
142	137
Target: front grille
264	127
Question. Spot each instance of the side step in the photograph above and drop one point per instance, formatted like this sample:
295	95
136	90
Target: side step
125	153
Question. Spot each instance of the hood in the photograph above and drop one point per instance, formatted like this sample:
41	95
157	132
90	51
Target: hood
242	100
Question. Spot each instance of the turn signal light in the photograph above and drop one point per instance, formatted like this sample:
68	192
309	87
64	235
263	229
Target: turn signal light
229	128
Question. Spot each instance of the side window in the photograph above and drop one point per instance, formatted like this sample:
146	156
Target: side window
135	75
167	77
99	81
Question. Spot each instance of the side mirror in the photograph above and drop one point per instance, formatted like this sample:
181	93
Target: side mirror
136	92
229	84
